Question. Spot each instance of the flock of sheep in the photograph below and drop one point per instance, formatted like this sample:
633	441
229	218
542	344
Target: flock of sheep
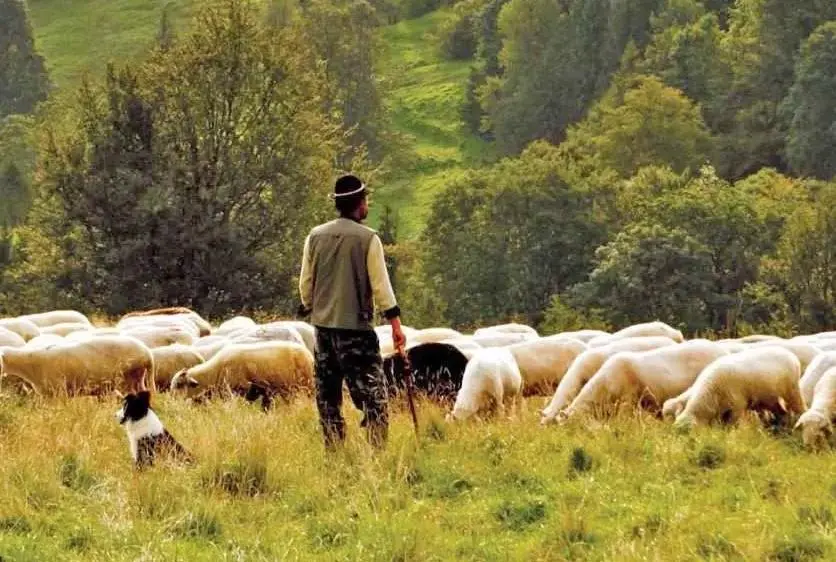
586	373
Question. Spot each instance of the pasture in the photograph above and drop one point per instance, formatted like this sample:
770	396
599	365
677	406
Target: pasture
263	488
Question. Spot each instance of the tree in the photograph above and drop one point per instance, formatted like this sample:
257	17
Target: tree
23	77
501	241
763	41
192	176
690	57
812	107
558	57
343	36
806	268
649	272
639	124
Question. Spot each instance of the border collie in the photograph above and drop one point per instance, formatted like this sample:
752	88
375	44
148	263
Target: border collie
147	436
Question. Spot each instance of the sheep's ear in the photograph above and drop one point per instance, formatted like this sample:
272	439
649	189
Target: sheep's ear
118	394
797	424
191	382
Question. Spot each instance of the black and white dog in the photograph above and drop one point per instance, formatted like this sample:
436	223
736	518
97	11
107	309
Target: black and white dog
147	436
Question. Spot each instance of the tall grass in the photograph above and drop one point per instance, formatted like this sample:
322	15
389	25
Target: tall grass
264	488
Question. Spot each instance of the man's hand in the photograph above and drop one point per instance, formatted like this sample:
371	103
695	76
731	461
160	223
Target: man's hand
398	337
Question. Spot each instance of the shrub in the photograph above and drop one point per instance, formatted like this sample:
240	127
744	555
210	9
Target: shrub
517	516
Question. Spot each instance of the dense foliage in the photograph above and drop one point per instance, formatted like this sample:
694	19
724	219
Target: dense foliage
667	159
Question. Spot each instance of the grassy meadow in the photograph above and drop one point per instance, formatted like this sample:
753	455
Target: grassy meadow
264	489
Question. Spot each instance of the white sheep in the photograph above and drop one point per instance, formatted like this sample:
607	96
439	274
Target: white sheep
304	329
235	324
544	362
498	339
817	423
258	369
764	378
640	330
45	341
203	327
161	336
209	346
46	319
491	382
646	378
804	351
98	365
22	327
173	322
584	335
512	328
434	335
275	331
758	338
66	328
171	359
814	372
9	338
588	363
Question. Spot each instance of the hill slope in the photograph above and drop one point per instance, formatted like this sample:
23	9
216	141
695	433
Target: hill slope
83	37
422	91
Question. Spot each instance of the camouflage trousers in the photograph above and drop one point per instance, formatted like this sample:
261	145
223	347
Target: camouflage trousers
353	356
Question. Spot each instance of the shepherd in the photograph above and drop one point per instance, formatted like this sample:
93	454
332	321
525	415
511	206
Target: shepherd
343	279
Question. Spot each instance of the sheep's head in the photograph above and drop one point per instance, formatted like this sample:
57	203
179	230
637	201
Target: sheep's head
672	408
182	382
816	429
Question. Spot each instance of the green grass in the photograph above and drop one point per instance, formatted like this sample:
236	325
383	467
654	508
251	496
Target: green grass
424	94
82	36
264	489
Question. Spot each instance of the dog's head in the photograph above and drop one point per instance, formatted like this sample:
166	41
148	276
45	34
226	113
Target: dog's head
134	407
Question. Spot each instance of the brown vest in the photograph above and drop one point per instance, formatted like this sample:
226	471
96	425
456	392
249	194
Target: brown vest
342	292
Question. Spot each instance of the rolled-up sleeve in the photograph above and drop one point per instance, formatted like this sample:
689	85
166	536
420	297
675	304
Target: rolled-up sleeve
306	277
384	296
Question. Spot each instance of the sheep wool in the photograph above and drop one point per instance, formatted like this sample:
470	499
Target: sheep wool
647	378
491	382
817	423
95	366
814	372
761	379
273	367
587	364
544	362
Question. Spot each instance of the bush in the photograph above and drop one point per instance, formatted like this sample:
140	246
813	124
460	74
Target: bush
460	40
580	461
710	456
517	516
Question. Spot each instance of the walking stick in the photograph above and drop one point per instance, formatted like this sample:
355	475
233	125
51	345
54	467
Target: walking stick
410	389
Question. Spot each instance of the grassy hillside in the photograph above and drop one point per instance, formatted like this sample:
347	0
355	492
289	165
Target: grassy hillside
423	91
83	35
263	489
424	94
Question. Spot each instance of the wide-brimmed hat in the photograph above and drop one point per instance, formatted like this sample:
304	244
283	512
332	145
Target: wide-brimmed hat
347	186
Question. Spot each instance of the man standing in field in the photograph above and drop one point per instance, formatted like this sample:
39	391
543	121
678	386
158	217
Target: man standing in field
343	277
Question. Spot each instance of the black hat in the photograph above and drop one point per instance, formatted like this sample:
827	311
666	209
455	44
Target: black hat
347	186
